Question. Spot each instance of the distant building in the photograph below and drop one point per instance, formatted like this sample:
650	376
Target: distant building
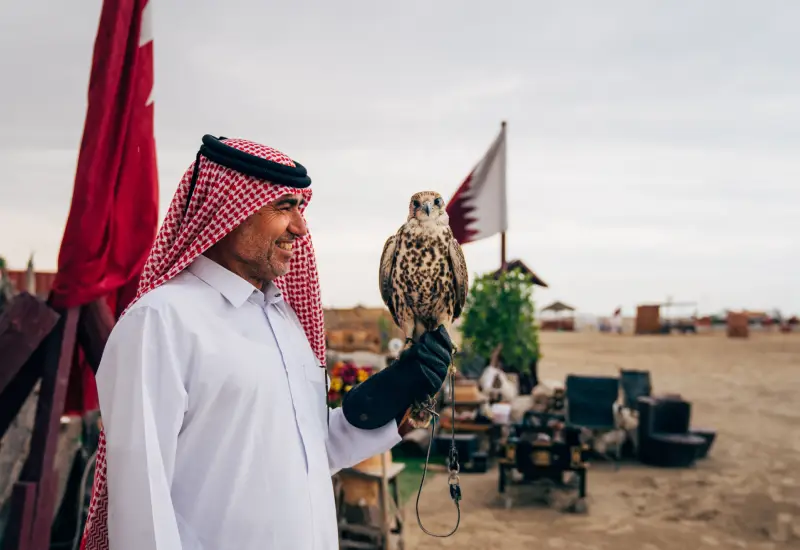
42	279
558	316
360	328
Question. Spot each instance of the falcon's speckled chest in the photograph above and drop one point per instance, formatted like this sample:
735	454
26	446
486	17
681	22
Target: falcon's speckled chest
422	276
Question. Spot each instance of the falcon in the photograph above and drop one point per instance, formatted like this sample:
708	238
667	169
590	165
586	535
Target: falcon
423	276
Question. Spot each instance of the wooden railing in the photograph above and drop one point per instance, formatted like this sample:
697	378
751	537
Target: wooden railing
39	343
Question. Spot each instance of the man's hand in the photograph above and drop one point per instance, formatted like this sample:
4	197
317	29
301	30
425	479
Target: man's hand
431	356
417	374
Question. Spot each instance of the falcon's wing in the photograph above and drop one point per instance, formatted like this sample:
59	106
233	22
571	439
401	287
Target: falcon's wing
460	276
385	272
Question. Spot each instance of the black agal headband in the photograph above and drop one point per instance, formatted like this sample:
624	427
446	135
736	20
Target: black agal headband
272	172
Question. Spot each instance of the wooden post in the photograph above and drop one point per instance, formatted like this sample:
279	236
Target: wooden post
386	526
94	328
31	526
503	264
20	517
44	443
23	326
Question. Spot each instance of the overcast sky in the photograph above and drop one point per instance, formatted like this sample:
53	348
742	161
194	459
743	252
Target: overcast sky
653	146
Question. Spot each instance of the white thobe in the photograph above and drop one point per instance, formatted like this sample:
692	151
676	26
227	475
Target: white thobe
215	416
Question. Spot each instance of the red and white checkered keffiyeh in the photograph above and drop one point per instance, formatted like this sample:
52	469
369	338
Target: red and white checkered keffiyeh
222	199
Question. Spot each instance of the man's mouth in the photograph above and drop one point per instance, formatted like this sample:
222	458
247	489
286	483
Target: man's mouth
287	245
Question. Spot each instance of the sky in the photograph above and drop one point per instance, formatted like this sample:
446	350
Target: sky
652	146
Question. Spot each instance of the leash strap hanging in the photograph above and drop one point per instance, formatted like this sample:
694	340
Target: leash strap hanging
452	460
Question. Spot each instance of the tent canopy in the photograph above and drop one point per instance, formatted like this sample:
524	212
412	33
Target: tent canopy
558	307
519	264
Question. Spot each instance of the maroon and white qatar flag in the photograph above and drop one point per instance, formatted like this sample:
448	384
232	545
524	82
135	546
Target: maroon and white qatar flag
478	208
113	217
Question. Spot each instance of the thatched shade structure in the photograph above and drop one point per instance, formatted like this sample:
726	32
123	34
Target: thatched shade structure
519	264
557	316
558	307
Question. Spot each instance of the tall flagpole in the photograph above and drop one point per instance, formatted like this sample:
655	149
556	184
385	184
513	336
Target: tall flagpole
503	263
503	250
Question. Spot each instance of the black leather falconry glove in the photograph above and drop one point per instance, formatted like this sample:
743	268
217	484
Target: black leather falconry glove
416	375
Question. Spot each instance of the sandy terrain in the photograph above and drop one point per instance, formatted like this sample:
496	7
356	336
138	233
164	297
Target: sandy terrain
748	390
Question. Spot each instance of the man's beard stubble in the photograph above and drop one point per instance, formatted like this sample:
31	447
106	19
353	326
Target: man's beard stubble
266	267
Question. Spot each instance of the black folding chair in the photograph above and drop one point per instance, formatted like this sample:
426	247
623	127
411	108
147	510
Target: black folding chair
590	404
634	384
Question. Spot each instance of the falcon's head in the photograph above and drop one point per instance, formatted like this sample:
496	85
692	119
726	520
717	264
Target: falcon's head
428	207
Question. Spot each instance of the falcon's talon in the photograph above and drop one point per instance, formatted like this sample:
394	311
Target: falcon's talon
420	416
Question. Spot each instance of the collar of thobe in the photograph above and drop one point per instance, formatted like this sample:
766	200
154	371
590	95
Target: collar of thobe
233	288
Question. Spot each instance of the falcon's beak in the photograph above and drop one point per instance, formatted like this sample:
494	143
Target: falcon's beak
427	207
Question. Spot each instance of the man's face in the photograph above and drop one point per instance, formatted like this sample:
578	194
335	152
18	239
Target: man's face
262	244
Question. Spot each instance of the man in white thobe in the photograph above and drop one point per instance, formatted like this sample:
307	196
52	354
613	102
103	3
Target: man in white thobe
217	433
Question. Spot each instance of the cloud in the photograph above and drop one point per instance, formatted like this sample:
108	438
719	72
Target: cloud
651	145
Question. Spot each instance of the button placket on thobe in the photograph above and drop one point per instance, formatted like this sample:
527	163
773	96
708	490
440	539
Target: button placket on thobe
303	410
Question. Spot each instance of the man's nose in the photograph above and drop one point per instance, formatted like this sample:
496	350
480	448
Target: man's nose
298	225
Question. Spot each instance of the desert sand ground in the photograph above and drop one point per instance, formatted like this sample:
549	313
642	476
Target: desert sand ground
748	390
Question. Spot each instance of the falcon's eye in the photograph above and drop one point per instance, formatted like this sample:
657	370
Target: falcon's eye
438	202
416	204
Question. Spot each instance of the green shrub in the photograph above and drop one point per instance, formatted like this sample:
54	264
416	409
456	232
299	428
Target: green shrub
502	310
